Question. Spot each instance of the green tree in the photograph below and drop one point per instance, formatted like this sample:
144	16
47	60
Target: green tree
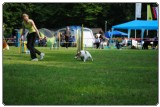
57	15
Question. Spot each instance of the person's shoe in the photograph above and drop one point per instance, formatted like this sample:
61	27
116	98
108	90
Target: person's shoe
42	56
35	59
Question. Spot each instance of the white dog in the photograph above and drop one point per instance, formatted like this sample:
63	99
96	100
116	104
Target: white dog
84	55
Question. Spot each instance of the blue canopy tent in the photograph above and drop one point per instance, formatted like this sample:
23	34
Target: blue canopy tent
115	33
137	25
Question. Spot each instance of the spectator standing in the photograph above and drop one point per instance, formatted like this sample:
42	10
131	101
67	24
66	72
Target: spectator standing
67	35
97	42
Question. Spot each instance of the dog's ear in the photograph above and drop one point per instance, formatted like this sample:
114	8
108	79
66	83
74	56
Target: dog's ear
79	53
85	52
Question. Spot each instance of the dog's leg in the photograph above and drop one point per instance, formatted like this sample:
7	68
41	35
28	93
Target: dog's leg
91	58
84	59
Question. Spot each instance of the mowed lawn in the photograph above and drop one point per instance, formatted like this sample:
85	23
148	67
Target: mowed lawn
115	77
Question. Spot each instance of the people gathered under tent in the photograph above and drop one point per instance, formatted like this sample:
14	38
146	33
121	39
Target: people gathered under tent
146	42
150	42
122	44
155	42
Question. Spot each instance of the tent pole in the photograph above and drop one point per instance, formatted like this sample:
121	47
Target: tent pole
142	35
135	34
82	44
110	40
129	33
112	34
147	32
135	29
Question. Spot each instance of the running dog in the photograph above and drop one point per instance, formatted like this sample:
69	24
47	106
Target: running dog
84	55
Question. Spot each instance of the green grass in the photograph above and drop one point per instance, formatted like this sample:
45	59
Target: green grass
115	77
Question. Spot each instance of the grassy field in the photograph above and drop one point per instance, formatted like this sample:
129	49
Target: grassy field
115	77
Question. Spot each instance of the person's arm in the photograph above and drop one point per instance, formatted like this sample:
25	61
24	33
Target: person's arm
34	26
23	29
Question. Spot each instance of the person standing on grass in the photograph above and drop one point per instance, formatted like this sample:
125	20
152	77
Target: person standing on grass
67	35
102	39
31	37
97	42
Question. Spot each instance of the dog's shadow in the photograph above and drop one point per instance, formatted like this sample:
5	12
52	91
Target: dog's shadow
81	60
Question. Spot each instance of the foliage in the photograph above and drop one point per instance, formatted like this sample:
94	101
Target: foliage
56	15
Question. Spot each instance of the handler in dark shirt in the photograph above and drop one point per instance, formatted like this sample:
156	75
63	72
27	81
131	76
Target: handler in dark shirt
67	35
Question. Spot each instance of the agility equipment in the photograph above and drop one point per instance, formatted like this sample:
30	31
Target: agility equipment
80	43
49	36
23	47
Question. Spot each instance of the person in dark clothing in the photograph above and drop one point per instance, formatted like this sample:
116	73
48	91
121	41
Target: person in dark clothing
146	43
97	42
44	41
118	45
31	38
155	42
122	44
101	35
102	39
67	34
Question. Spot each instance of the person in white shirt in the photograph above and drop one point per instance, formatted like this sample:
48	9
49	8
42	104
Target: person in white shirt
98	35
124	42
97	42
121	44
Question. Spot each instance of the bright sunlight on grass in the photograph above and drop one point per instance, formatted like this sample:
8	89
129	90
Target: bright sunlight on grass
115	77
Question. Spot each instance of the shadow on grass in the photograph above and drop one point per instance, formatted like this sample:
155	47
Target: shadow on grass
61	80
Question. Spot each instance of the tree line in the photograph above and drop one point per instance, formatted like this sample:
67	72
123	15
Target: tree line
57	15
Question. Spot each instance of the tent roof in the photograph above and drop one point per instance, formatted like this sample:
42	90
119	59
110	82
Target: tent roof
138	25
115	33
46	32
